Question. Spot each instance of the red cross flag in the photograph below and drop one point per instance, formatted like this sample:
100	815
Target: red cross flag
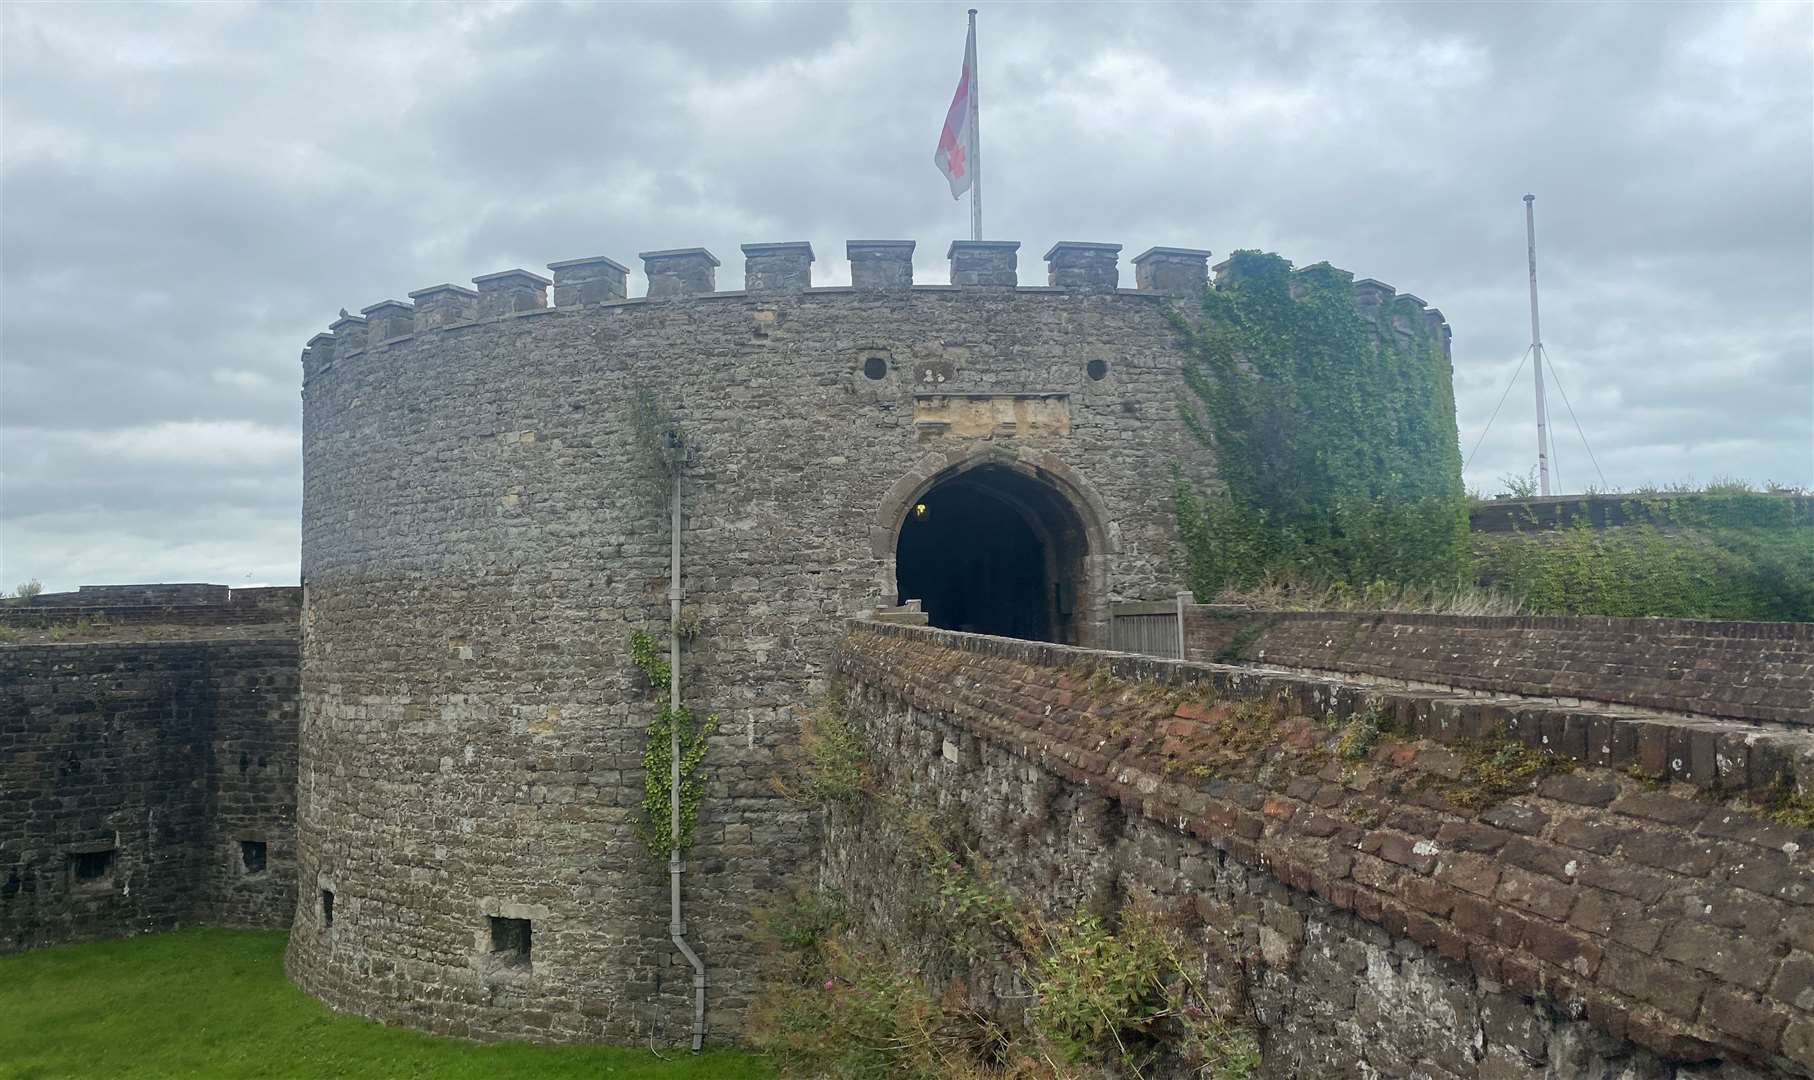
956	154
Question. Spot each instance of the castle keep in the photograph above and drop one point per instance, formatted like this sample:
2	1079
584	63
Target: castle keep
479	540
1434	846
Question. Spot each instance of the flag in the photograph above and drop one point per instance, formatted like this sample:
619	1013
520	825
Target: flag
956	144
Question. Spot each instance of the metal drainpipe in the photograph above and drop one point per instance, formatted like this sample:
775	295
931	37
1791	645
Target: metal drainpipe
677	928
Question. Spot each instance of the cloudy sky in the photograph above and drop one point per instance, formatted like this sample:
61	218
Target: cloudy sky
188	193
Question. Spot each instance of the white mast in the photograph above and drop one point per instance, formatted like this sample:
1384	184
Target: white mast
976	142
1530	235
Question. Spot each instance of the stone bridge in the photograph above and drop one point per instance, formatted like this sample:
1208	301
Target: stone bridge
1397	882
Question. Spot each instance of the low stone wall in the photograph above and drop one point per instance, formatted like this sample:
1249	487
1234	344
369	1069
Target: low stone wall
1384	917
160	595
1602	511
1733	670
277	605
146	785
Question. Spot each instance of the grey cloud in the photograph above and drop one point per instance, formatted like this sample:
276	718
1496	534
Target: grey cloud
187	193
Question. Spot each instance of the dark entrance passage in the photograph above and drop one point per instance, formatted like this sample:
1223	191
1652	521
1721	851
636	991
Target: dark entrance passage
994	551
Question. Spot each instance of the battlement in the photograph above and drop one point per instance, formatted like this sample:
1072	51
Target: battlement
877	268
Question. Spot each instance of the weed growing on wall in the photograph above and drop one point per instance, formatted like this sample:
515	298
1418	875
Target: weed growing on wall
660	449
830	766
1102	995
645	653
1496	769
1336	445
1714	555
1098	997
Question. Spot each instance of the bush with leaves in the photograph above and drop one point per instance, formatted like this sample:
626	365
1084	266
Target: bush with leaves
830	766
1718	554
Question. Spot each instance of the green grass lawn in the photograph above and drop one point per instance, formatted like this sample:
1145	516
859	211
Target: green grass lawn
214	1003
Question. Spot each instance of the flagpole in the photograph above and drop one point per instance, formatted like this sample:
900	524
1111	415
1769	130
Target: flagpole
976	142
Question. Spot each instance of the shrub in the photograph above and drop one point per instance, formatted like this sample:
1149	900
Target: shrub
1711	555
1126	997
23	592
830	766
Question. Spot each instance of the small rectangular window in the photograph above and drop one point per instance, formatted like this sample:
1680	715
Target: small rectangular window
252	856
510	941
327	909
91	868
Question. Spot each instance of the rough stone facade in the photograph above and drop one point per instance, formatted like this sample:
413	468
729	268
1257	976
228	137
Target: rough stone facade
1382	926
1761	672
480	537
138	781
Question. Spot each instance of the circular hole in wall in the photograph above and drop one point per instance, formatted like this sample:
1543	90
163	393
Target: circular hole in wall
1098	369
875	367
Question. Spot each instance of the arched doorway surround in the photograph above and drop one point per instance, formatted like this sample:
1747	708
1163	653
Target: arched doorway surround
1011	542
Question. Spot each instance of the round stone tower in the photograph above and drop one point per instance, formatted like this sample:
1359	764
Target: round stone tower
479	540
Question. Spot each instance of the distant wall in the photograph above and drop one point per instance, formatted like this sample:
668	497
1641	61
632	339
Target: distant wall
1732	670
1599	511
140	605
130	775
161	594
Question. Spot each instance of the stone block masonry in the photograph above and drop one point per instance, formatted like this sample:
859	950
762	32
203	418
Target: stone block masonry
1396	908
146	785
479	540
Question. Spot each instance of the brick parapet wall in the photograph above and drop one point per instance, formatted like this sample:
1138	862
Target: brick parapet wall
1760	672
168	754
1598	511
1661	917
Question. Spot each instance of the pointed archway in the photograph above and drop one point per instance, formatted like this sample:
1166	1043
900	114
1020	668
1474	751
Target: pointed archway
998	543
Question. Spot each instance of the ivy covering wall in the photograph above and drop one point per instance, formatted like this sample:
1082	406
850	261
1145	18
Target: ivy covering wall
1719	555
1335	439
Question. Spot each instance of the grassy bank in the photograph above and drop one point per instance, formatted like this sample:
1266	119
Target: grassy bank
214	1003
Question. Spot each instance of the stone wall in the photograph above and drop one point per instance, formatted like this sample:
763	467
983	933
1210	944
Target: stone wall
1400	911
161	595
481	535
1597	511
130	775
1734	670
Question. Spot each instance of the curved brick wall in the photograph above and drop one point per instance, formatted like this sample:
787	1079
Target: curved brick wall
1589	926
475	553
1733	670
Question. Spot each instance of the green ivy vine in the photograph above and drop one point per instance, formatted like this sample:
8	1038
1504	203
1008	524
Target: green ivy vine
646	654
1336	444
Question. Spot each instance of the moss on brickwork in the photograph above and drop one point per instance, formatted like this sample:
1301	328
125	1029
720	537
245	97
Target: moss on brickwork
1497	769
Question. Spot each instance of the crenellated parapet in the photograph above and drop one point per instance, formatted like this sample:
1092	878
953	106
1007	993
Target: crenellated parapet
1173	271
680	272
444	305
984	263
880	264
876	267
777	268
1087	267
596	280
508	292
